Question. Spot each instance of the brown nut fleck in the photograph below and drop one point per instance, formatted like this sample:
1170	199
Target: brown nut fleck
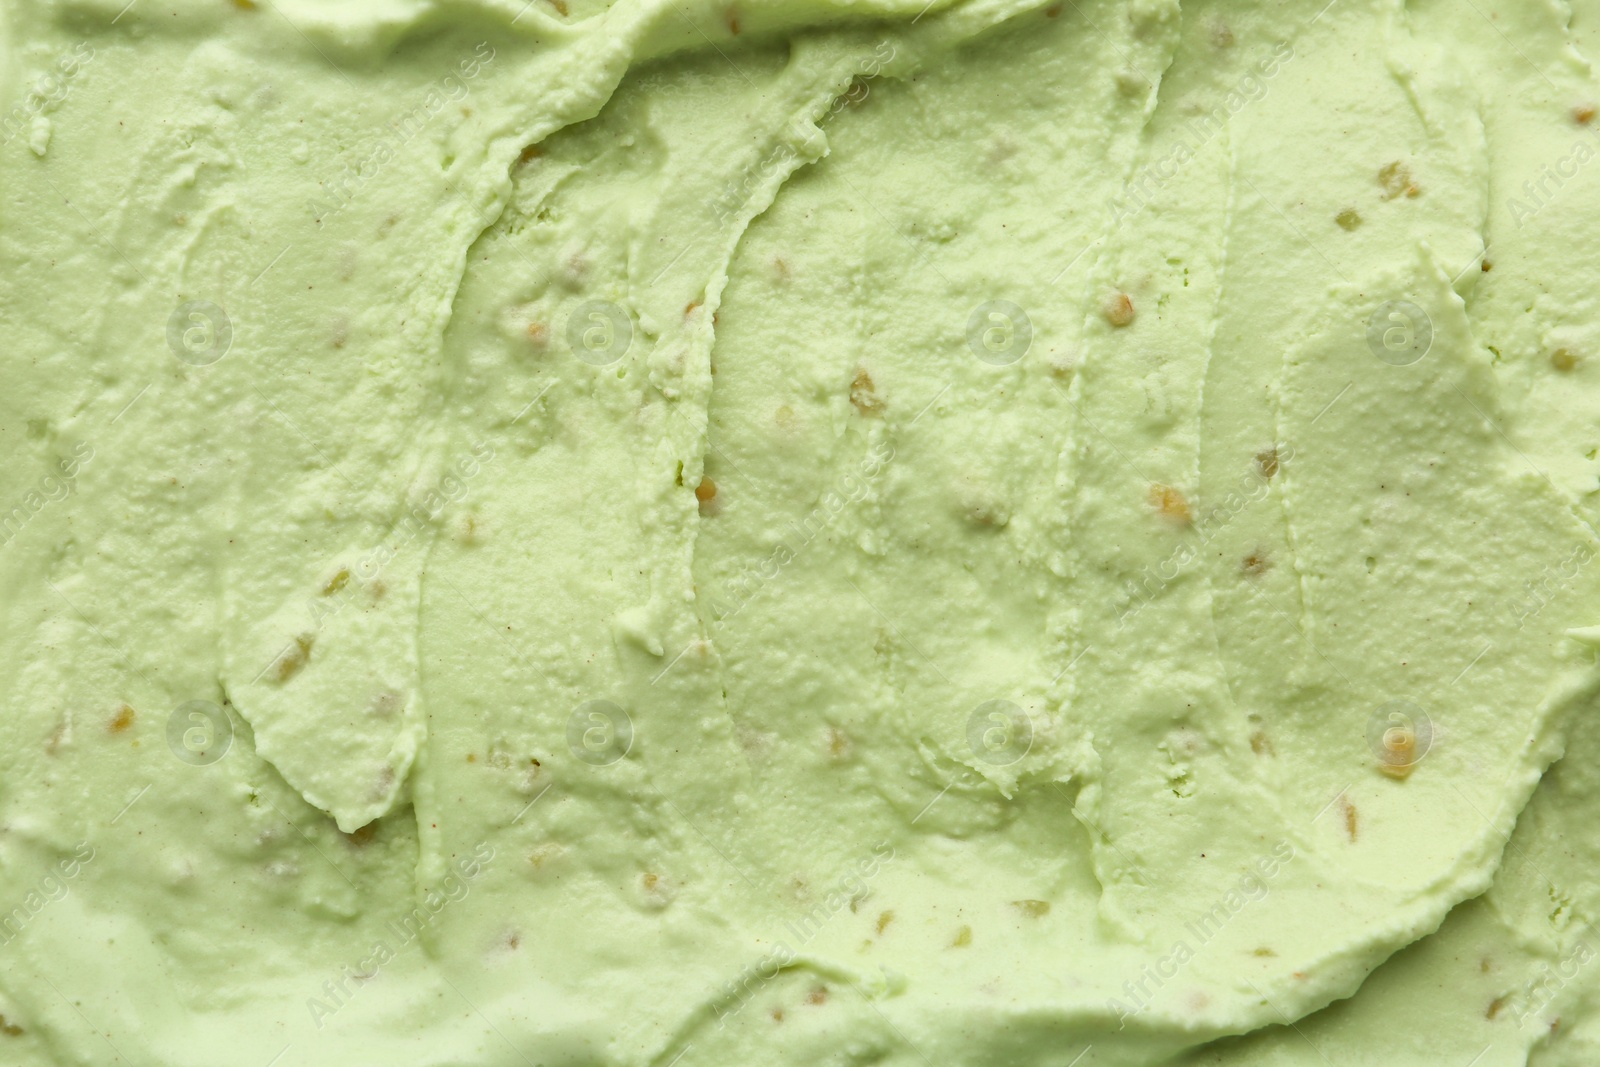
1118	309
863	394
1397	181
1169	503
123	720
295	656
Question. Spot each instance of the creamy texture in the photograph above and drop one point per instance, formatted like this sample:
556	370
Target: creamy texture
798	533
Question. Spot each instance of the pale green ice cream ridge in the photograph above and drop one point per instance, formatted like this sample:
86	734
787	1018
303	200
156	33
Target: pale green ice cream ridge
1033	533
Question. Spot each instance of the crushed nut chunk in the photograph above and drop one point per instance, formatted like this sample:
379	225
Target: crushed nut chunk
1033	909
1564	360
863	394
1396	181
123	720
1118	309
706	491
1169	503
292	659
1348	219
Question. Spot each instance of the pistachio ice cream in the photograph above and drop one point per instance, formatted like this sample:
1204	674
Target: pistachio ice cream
973	532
